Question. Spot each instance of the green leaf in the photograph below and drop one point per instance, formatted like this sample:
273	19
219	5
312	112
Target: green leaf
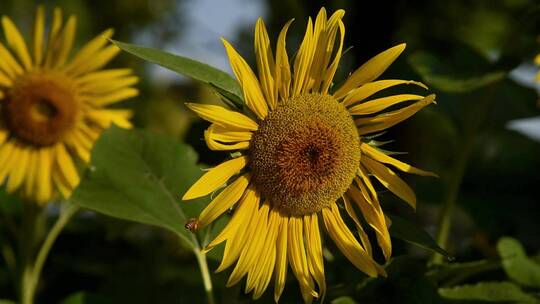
446	77
453	273
187	67
516	264
412	233
140	176
488	291
343	300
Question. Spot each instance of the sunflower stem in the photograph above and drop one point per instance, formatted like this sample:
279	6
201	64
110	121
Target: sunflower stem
470	131
33	269
205	273
32	229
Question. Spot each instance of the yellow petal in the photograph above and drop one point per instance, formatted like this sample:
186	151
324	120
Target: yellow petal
375	218
219	139
7	153
108	85
223	117
363	235
265	63
315	72
346	242
248	81
302	63
298	260
39	32
5	81
331	71
16	42
281	260
89	50
66	166
390	180
253	246
283	70
371	88
216	177
52	44
370	70
65	41
31	178
44	179
383	158
314	252
102	76
3	134
114	97
387	120
98	60
8	64
225	200
18	172
379	104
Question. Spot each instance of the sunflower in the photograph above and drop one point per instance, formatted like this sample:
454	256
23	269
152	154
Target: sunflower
53	105
304	151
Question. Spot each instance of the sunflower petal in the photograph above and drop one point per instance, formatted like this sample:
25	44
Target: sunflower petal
248	81
216	177
219	138
370	70
44	179
314	252
18	172
371	88
65	41
223	117
265	63
379	104
379	156
387	120
16	41
298	260
66	166
39	32
281	260
303	60
363	235
390	180
8	63
283	70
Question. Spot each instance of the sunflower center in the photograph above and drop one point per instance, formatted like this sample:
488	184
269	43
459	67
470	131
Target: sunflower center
40	108
305	154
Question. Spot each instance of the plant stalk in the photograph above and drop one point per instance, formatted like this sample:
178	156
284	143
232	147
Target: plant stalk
205	273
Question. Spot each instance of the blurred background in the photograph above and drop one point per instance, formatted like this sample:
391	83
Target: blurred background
482	137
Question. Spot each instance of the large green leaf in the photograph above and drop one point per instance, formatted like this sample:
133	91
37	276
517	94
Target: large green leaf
516	264
488	291
453	273
203	72
450	77
343	300
412	233
140	176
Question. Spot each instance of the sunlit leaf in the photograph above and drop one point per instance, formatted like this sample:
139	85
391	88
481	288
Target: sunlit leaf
412	233
516	264
187	67
488	291
140	176
444	76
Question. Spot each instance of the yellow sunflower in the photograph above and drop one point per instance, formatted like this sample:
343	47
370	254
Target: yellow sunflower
304	154
53	105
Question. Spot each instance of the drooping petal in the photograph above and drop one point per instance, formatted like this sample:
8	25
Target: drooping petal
281	259
223	117
225	200
390	180
371	88
370	70
253	95
346	242
379	156
379	104
331	71
387	120
303	60
363	235
265	64
314	252
298	259
216	177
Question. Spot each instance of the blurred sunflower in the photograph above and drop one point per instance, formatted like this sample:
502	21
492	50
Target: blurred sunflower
304	152
52	105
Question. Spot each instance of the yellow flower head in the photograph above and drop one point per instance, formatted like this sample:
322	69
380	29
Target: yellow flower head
304	155
53	105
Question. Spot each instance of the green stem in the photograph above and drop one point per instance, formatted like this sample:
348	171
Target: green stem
32	272
470	130
205	273
31	233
